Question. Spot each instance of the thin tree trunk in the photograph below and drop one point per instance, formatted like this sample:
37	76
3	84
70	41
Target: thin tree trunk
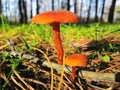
68	5
0	10
81	9
53	5
31	10
0	7
37	8
64	4
75	6
88	17
24	12
96	9
111	12
103	5
20	11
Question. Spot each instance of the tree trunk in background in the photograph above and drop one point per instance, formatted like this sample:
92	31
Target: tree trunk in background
37	6
88	16
68	5
24	12
75	6
53	5
65	4
81	10
0	10
62	4
96	9
0	7
31	15
103	6
20	11
111	11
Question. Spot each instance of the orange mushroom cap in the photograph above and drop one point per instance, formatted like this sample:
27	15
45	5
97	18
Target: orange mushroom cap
61	16
76	60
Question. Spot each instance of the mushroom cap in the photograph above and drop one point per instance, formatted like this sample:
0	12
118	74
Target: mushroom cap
61	16
76	60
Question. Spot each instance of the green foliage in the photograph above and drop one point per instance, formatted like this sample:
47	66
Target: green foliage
106	58
10	63
117	9
26	44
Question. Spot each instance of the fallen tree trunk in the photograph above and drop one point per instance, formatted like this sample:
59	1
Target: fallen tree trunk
93	76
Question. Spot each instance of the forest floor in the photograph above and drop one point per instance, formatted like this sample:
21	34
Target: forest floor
28	58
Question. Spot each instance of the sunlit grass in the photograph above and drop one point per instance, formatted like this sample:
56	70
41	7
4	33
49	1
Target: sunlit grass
36	34
71	32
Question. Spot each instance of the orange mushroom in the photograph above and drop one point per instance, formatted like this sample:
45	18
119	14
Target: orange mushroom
75	60
55	18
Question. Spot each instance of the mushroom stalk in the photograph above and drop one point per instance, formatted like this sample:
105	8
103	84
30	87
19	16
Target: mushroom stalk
58	43
73	73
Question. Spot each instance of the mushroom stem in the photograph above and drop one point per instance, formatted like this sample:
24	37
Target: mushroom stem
58	43
73	73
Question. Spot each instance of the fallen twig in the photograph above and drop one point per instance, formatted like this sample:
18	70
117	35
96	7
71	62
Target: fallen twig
5	79
18	84
36	81
21	79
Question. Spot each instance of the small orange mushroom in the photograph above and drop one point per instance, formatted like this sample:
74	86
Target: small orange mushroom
76	60
55	18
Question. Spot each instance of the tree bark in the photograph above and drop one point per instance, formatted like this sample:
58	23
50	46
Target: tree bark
0	7
37	8
75	6
65	4
24	12
111	11
53	5
88	16
20	11
81	9
0	11
31	10
103	5
68	5
96	9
